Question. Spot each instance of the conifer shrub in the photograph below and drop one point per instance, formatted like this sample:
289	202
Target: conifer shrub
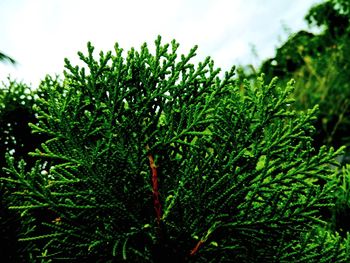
16	101
341	209
150	158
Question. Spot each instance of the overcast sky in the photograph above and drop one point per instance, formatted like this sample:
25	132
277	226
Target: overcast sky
39	34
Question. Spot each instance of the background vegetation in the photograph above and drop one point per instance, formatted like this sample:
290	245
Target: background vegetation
319	63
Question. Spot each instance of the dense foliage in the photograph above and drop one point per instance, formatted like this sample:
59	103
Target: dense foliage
146	157
319	62
150	158
16	139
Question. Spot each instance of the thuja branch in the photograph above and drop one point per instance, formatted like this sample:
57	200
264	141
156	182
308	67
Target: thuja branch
155	192
204	239
196	248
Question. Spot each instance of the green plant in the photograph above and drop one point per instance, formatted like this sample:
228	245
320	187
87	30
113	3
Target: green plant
341	210
16	101
154	159
4	57
320	64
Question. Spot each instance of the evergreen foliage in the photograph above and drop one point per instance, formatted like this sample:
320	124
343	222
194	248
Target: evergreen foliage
319	62
150	158
5	58
341	210
16	101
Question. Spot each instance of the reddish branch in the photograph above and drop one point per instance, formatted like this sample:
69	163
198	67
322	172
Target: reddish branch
196	248
156	202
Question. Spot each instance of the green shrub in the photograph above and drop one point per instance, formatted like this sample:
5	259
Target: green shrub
320	64
154	159
16	138
341	210
16	102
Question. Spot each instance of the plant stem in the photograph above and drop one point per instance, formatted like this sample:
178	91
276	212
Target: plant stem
155	192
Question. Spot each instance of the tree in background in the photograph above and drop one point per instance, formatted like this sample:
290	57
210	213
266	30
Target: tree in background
320	64
154	159
16	138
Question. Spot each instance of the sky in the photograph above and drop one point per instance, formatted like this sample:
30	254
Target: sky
39	34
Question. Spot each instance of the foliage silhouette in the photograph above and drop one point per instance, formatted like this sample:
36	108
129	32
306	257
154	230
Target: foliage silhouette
4	58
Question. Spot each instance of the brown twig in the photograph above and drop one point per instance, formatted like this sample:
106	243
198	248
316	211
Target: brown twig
196	248
155	192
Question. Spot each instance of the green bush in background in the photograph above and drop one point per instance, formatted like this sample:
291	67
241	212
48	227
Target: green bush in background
16	138
320	64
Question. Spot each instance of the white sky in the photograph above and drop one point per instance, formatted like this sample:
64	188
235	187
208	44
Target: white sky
39	34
